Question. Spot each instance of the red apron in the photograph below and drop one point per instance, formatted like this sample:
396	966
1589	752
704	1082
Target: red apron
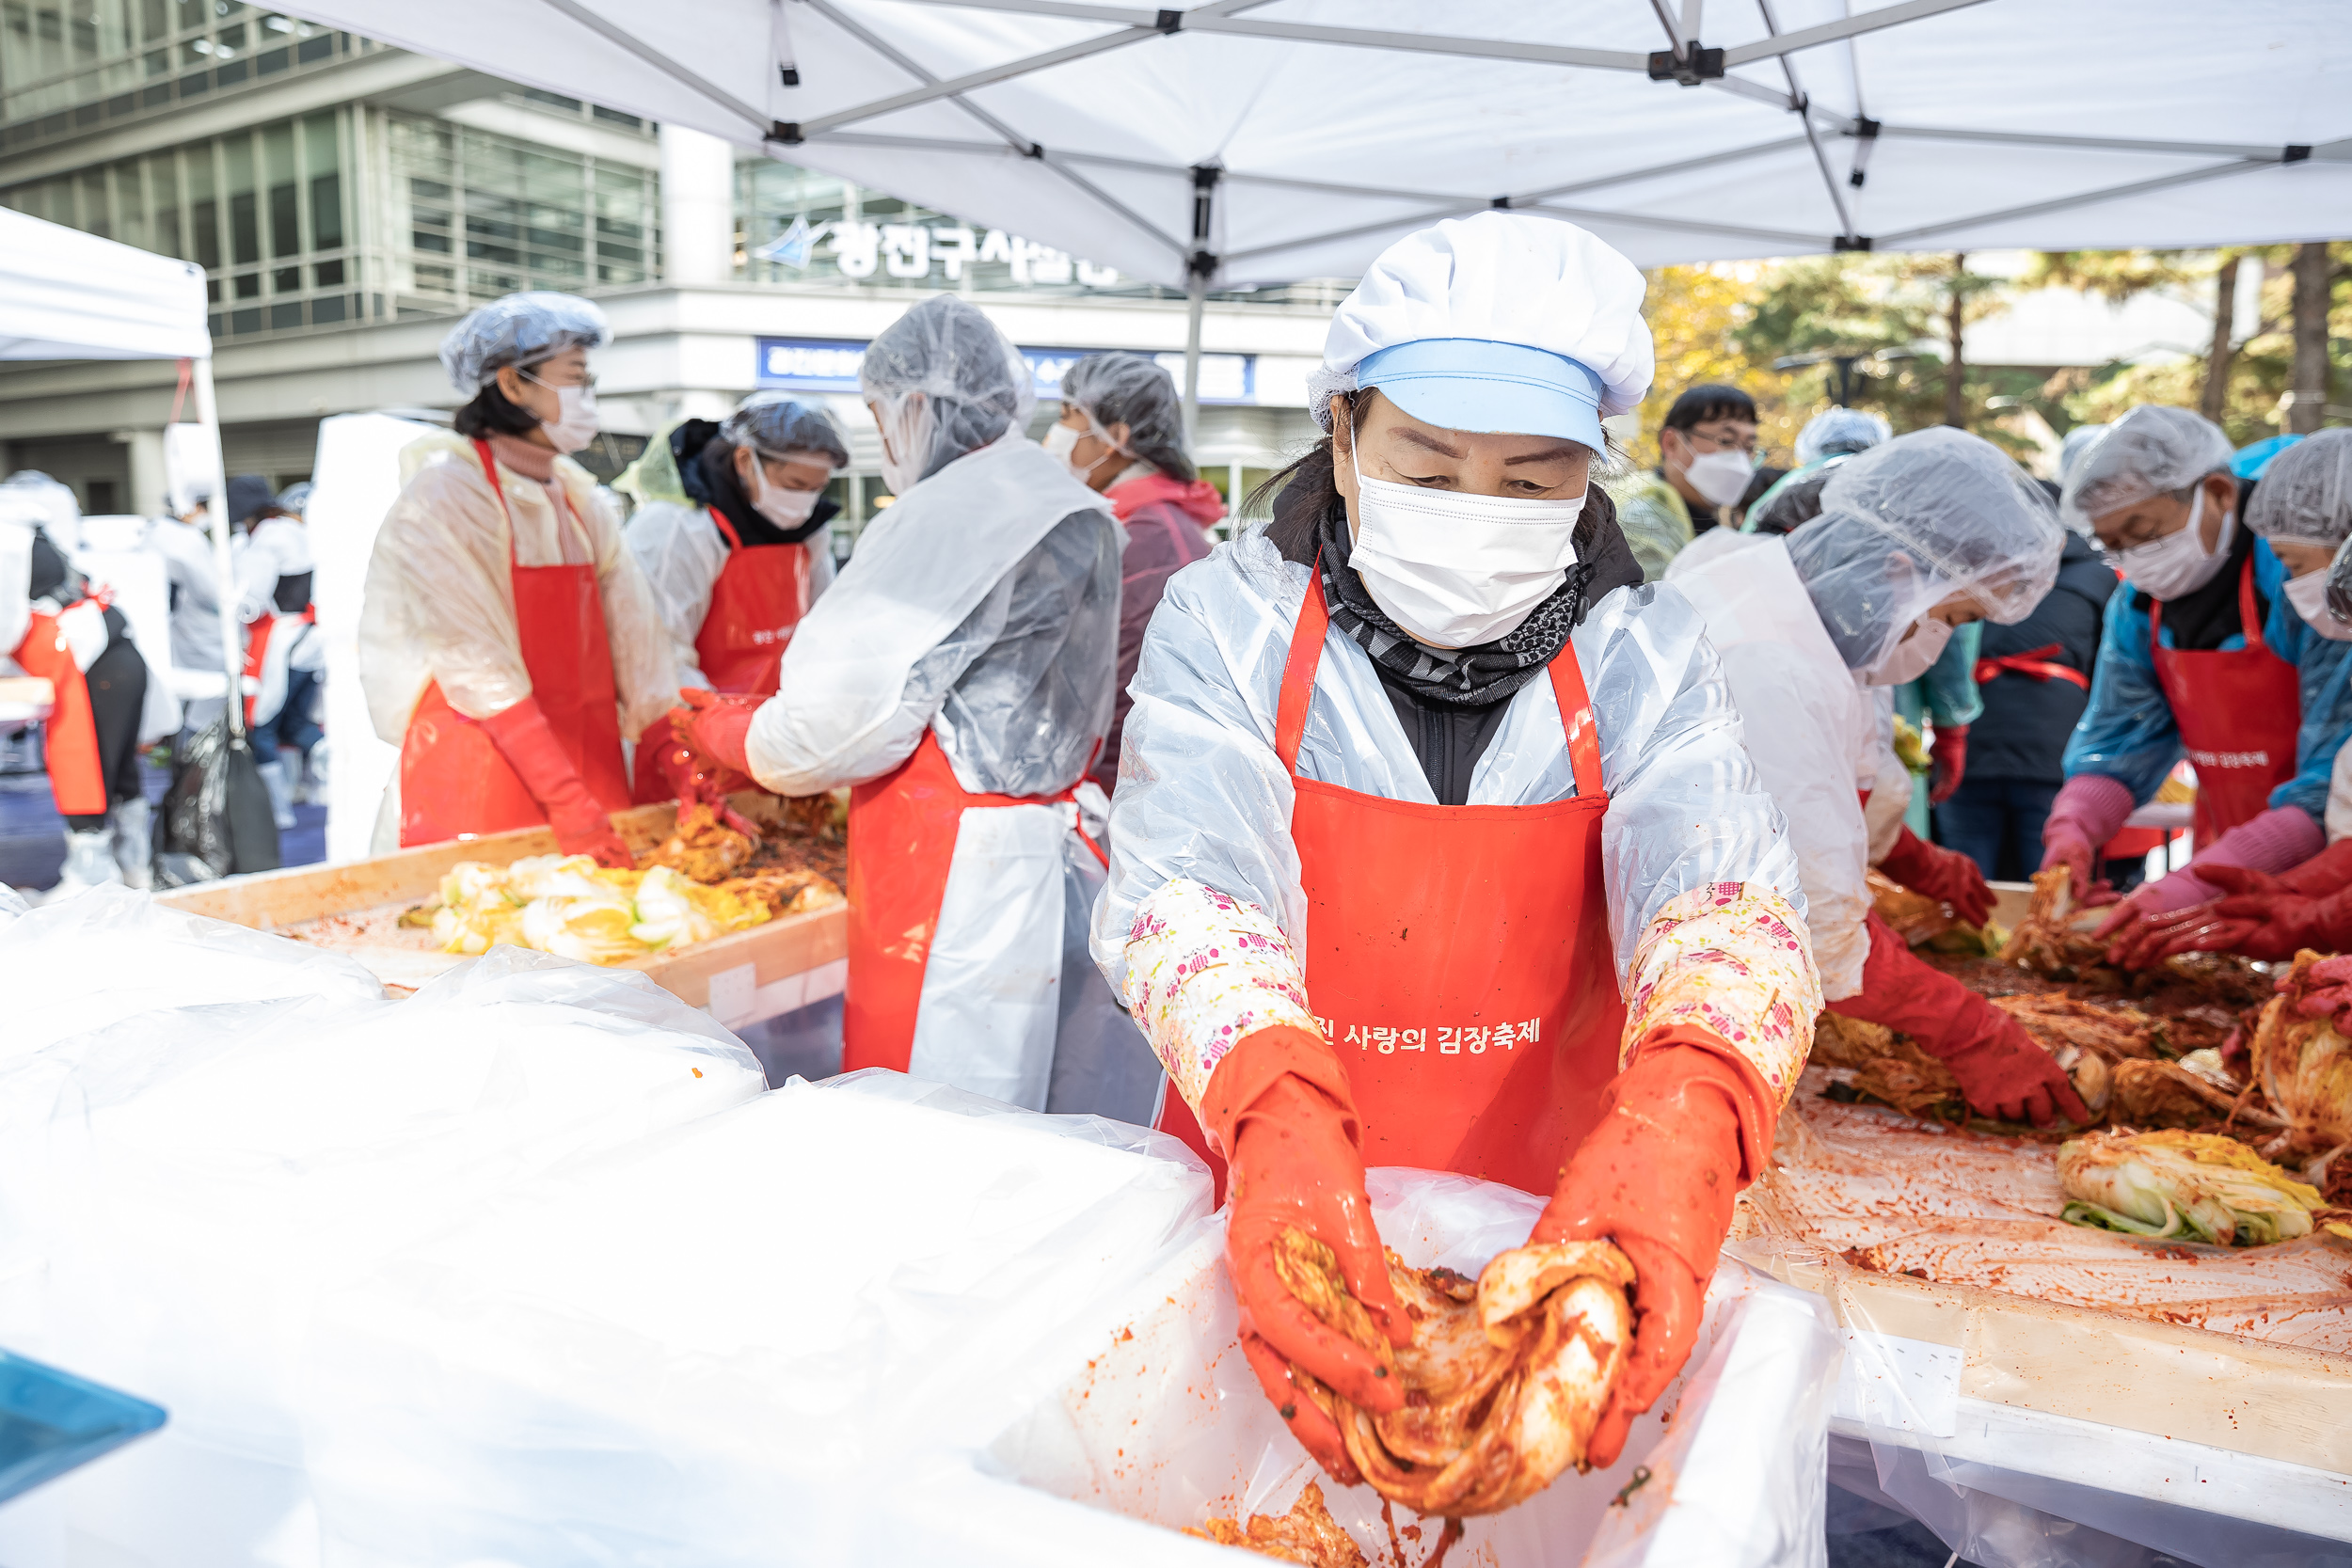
1458	958
756	600
903	837
2237	712
70	735
453	781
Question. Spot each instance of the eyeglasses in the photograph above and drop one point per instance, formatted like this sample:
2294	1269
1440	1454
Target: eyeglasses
586	380
1709	441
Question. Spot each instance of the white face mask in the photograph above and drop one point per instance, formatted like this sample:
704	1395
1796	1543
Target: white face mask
1721	477
1061	440
1453	570
2179	562
2308	594
575	422
1909	658
786	509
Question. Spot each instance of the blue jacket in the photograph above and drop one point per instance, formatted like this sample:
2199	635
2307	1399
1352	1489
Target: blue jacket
2128	733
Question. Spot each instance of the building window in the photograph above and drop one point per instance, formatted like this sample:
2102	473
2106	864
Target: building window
261	211
482	214
67	64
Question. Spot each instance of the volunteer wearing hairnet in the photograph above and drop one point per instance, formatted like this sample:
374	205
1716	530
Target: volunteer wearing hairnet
1927	532
1123	432
1435	844
2303	510
48	641
735	569
507	641
2204	654
1827	440
274	567
957	675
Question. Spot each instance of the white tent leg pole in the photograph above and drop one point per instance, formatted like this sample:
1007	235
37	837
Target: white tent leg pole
1196	300
231	654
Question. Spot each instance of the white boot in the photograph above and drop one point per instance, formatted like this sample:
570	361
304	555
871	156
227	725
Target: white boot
311	791
135	841
89	862
280	793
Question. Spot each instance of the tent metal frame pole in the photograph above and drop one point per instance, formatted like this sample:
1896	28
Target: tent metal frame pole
1202	263
622	39
2085	199
1802	103
1852	27
224	564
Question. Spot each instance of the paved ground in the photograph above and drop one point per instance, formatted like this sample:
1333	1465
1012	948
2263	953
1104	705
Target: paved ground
32	835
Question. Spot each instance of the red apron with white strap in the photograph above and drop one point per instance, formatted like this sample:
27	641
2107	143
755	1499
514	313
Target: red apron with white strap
903	840
2237	711
70	735
454	780
756	600
1458	958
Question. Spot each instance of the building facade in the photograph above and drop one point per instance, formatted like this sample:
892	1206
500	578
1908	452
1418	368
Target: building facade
347	200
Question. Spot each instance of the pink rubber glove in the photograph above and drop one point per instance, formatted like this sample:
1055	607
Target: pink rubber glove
2088	811
2278	839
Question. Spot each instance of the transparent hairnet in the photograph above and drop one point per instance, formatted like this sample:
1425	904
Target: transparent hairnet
774	425
1131	390
947	383
1906	525
522	330
294	499
1837	430
2152	451
2078	440
2305	492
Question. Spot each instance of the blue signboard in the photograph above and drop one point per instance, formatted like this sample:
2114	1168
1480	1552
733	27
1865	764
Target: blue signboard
830	365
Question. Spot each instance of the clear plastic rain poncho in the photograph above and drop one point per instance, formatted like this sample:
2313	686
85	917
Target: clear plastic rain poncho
439	601
681	551
1907	525
943	382
521	329
1903	526
1204	801
983	609
1840	430
1131	390
2152	451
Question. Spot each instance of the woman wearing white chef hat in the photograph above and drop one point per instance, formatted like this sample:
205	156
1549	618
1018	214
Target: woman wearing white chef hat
1435	843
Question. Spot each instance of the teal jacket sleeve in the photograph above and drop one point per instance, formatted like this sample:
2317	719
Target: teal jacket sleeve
1951	680
2127	731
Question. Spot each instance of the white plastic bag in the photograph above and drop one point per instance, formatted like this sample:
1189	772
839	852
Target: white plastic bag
179	1189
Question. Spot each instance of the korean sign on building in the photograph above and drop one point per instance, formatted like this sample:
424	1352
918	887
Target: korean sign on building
830	365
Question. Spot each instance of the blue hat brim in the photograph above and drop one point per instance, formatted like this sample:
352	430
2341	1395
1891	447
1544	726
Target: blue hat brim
1489	389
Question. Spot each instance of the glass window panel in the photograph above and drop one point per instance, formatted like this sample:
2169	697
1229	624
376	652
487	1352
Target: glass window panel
285	220
283	316
329	275
285	281
245	321
247	286
327	211
94	216
328	310
162	191
244	229
230	41
154	19
131	221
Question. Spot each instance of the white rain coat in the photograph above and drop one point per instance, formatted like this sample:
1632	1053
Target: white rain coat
982	608
1812	729
1203	795
440	600
682	552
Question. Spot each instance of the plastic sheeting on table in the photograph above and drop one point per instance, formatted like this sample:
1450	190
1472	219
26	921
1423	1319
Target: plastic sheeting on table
2045	1396
1165	1423
108	952
179	1189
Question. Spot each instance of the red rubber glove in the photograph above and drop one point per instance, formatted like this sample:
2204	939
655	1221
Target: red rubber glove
1941	873
1948	763
583	825
1279	1103
2332	998
703	758
1657	1175
2263	919
2001	1071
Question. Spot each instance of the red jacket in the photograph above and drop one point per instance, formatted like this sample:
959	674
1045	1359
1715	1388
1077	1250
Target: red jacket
1166	521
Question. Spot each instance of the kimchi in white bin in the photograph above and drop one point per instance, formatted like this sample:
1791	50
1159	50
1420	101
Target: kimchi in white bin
1165	1424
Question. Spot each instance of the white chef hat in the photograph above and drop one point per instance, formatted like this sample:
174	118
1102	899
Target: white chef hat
1500	321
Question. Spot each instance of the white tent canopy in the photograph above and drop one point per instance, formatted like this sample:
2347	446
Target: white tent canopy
1314	132
65	294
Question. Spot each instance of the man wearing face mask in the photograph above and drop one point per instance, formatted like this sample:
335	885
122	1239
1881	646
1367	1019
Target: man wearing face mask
957	677
735	570
1123	432
1927	532
2302	511
507	641
1404	863
2203	654
1707	452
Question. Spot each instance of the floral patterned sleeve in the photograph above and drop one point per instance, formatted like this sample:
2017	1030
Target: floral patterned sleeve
1732	959
1204	971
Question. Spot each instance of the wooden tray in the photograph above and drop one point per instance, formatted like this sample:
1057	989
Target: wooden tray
355	909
